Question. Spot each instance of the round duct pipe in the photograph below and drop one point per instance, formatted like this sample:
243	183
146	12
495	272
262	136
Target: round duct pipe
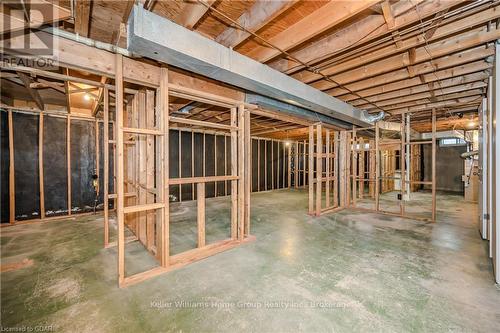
373	118
469	154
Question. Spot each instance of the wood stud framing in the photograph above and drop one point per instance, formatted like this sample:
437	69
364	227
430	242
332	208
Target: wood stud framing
332	163
42	116
141	220
382	164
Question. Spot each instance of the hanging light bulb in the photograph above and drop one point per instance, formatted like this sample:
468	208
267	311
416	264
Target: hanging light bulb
471	123
86	97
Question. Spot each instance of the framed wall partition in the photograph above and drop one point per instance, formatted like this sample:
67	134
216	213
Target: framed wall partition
143	181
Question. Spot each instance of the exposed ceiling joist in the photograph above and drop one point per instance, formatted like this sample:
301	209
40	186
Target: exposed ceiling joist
45	13
440	98
466	101
388	15
431	94
453	72
312	25
260	14
422	88
192	12
422	68
391	61
82	17
365	30
425	58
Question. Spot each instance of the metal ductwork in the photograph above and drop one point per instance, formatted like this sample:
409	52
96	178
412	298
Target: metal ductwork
373	118
275	105
155	37
469	154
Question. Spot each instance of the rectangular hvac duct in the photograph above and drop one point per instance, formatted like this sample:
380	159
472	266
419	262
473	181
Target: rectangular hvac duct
155	37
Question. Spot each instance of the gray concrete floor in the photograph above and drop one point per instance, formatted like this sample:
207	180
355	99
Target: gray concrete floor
349	271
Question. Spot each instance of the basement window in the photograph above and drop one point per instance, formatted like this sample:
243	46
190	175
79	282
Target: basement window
451	142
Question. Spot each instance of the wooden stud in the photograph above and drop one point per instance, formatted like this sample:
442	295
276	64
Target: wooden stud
97	154
247	172
135	162
355	153
68	159
371	170
319	168
361	168
106	166
215	163
179	165
336	176
284	165
234	172
348	157
327	165
164	167
265	164
150	168
278	159
241	172
272	164
402	162
120	169
305	171
115	202
258	165
201	213
192	164
377	168
12	179
433	165
289	166
225	162
296	165
40	166
311	169
141	176
342	169
204	152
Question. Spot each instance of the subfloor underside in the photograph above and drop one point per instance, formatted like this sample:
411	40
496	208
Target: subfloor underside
349	271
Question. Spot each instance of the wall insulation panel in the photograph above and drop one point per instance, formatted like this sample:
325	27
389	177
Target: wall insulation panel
173	156
255	165
4	167
186	164
220	159
83	165
209	164
55	166
25	128
262	165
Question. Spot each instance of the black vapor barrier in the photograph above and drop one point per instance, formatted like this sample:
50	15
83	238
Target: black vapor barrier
191	154
195	154
25	135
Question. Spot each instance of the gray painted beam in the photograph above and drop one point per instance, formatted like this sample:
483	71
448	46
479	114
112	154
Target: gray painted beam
155	37
289	109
